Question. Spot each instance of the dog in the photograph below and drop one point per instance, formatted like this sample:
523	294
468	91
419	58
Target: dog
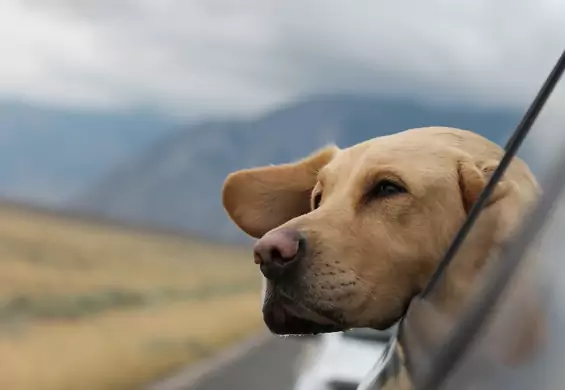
348	237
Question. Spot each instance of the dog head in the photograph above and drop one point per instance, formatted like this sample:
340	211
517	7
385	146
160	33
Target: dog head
347	237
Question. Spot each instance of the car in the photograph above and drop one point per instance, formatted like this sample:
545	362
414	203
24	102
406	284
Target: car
339	361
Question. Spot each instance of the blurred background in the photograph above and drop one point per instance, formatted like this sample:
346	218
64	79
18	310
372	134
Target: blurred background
119	120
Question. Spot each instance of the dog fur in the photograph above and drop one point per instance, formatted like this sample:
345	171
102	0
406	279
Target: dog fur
367	256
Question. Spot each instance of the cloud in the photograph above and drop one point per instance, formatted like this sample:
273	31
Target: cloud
201	57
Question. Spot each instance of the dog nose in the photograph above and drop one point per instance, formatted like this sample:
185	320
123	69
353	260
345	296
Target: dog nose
276	251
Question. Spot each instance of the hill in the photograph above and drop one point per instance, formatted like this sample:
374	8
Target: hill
176	182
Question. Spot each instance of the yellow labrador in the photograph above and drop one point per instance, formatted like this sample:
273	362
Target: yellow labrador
347	237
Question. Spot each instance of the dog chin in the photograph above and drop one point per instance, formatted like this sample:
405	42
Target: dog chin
285	318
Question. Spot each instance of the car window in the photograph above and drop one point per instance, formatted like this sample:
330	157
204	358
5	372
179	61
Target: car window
508	336
500	341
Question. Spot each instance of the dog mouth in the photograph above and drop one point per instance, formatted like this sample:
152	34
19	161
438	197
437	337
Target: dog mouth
285	315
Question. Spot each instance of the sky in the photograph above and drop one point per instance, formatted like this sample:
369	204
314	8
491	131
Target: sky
241	57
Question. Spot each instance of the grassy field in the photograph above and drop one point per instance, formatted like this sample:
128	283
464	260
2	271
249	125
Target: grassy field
92	306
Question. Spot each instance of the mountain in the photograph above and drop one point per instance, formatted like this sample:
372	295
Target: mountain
48	155
177	182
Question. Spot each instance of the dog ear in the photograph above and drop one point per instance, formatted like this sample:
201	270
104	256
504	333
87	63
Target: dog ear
260	199
473	179
522	341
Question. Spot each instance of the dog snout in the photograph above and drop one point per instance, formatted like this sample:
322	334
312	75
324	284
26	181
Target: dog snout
277	251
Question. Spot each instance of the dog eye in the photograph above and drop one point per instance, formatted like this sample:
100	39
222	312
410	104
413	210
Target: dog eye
316	201
386	188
